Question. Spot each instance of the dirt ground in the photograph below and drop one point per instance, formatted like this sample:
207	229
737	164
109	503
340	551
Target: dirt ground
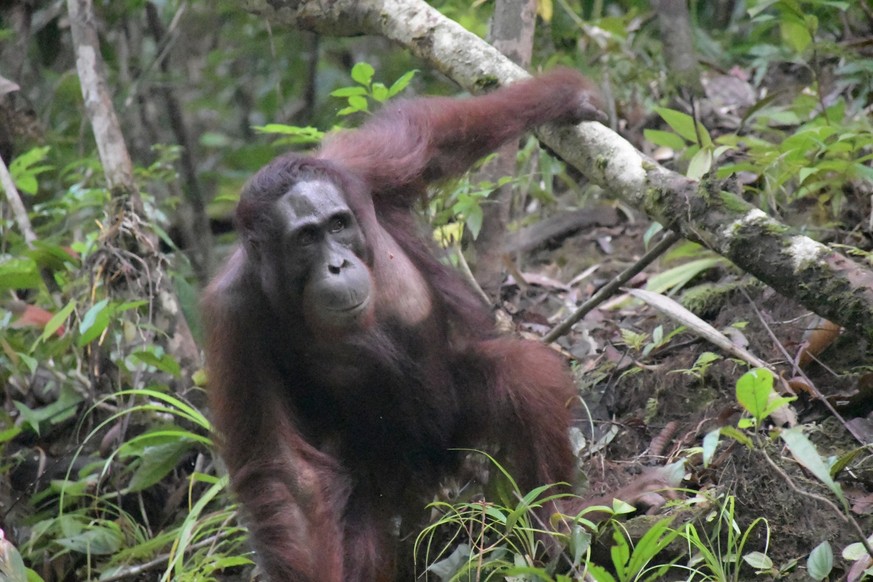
649	409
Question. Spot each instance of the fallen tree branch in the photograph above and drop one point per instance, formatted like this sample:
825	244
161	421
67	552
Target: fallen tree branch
798	267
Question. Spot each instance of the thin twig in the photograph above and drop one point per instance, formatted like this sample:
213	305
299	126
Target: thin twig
18	209
844	515
669	239
812	387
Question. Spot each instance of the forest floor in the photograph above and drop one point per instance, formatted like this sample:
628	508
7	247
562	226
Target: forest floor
651	404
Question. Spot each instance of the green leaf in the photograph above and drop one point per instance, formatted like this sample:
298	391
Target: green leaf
380	92
24	169
156	463
10	433
758	560
753	390
358	103
677	277
599	573
473	220
57	321
51	256
59	410
214	139
681	123
820	561
710	444
307	133
401	83
664	139
855	551
795	34
96	320
19	273
620	553
12	567
700	164
805	173
650	545
579	542
737	435
363	73
104	539
349	91
166	363
807	455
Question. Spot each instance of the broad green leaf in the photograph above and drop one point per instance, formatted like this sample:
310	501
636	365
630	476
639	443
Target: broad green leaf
473	219
620	554
61	409
737	435
677	277
599	573
758	560
24	169
166	362
57	321
795	34
51	256
380	92
710	444
12	567
700	164
579	542
103	540
807	455
214	139
664	138
358	103
94	322
855	551
820	561
363	73
157	462
753	390
349	91
19	273
401	83
681	123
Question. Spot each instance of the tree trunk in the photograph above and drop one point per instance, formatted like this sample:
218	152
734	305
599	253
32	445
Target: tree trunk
678	40
512	32
127	230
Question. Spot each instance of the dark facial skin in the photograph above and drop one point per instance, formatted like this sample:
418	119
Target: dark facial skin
320	254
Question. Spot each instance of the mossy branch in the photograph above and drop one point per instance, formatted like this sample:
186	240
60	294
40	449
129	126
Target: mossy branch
798	267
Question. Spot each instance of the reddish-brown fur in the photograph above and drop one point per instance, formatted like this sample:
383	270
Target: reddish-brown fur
329	435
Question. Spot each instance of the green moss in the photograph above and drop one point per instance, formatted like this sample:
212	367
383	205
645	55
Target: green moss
601	163
708	298
733	202
487	83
